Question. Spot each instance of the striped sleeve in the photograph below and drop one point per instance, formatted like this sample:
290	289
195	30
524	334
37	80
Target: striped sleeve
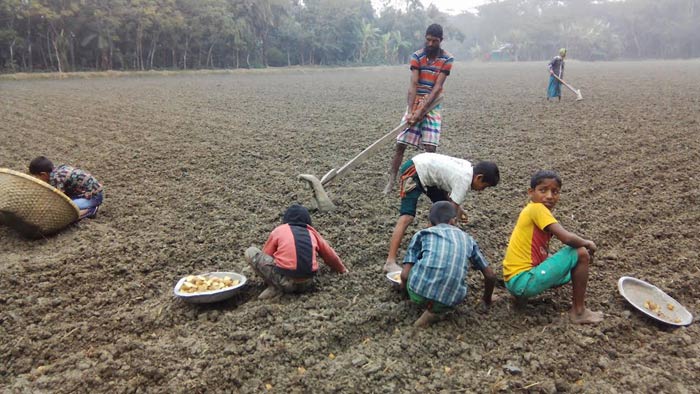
414	248
475	256
447	66
415	62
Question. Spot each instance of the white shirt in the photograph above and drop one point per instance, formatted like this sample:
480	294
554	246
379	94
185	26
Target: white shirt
450	174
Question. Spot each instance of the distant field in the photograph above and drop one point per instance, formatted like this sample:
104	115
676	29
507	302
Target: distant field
197	167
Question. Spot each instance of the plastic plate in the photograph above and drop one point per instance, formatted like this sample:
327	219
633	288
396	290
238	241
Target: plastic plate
393	277
212	295
653	302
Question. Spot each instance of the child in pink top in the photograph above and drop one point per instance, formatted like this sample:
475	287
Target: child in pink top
288	261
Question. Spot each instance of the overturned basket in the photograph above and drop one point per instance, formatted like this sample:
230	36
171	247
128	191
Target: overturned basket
32	206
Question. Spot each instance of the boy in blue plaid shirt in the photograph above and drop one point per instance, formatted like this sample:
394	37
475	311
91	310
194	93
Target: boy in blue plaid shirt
435	266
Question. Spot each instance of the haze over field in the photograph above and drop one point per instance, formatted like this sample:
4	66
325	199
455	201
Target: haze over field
75	35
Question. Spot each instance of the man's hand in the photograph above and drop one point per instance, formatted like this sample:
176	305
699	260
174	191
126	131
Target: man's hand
415	117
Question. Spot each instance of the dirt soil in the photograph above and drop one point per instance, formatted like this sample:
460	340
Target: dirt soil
199	167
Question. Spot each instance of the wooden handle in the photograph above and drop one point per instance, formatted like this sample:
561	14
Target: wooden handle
372	148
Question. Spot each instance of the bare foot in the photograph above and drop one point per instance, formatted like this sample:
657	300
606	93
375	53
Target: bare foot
426	319
586	317
391	266
269	292
518	302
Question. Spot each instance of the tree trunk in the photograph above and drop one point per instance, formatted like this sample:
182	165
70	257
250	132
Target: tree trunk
111	54
139	47
12	55
29	42
247	59
263	49
184	56
48	49
210	61
72	51
152	51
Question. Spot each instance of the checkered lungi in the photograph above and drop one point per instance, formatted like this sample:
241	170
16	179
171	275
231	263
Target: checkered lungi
425	132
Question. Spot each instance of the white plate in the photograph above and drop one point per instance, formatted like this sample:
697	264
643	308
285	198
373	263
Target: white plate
637	292
212	295
390	277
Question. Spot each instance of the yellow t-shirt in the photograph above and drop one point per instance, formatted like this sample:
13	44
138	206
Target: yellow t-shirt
528	244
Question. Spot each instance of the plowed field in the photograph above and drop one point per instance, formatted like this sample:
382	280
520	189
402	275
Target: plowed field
198	167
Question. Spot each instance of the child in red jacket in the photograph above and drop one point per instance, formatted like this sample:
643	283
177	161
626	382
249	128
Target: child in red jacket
288	261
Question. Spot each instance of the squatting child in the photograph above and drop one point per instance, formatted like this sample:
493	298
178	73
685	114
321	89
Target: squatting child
441	178
528	270
288	261
81	187
435	266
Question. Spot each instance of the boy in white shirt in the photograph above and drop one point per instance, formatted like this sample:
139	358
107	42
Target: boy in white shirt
441	178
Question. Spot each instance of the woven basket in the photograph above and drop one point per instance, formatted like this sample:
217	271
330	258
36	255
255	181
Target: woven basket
32	206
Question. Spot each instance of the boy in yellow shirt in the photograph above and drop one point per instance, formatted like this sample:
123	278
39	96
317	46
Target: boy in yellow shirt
528	269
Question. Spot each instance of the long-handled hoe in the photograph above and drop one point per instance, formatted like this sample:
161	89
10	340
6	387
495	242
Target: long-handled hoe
577	92
323	202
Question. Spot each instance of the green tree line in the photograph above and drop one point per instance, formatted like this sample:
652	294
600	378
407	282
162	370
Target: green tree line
71	35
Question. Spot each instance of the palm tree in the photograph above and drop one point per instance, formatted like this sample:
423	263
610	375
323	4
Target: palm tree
368	34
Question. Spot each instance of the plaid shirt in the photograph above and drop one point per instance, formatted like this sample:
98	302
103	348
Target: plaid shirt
74	182
439	256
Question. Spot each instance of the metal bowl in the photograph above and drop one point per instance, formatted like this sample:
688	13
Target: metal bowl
653	302
212	295
390	276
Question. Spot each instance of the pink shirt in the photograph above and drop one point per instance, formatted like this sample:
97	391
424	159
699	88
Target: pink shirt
281	246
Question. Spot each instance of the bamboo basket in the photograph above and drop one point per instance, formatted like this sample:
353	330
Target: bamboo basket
33	207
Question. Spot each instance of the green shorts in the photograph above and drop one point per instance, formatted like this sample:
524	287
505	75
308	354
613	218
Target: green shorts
553	272
409	202
433	306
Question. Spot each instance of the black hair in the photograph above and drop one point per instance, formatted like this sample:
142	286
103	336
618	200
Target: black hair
442	212
490	172
39	165
434	30
541	175
297	215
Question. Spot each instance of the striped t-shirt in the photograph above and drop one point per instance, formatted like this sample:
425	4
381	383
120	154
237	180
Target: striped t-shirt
430	69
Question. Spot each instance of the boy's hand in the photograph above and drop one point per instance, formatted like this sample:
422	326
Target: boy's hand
404	275
590	245
485	304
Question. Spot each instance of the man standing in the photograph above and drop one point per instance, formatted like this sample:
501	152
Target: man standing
556	69
430	66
